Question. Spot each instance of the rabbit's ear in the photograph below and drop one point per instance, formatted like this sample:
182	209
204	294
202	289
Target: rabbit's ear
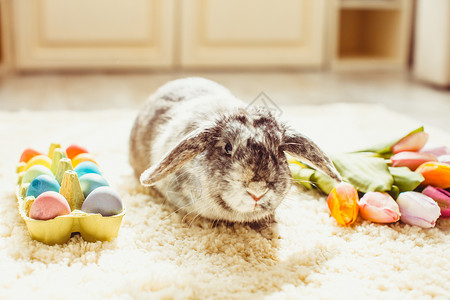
189	147
304	149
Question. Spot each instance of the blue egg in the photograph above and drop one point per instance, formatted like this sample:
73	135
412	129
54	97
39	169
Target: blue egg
41	184
103	200
90	182
87	167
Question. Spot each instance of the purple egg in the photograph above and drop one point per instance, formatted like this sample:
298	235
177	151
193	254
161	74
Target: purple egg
103	200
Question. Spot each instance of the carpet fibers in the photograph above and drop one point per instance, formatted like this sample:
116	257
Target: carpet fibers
161	255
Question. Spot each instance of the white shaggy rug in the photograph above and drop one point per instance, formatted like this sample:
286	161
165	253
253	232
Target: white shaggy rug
157	255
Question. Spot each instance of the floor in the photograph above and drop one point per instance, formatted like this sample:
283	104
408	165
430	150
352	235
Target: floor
94	91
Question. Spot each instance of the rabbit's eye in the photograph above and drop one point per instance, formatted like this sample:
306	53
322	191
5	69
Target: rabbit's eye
228	148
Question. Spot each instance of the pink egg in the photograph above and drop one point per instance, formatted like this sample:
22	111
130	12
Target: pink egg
49	205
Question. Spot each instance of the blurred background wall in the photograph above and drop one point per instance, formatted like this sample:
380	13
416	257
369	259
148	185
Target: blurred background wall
156	35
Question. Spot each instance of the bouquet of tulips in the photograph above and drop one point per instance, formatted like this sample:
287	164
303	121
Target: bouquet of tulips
400	180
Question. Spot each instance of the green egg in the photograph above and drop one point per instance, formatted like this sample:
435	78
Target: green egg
90	182
34	172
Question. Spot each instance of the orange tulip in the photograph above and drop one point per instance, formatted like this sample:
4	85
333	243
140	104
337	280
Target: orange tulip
436	174
343	203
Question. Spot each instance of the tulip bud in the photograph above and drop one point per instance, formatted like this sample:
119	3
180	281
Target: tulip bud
444	159
435	173
436	151
343	203
412	142
442	198
418	209
411	159
379	207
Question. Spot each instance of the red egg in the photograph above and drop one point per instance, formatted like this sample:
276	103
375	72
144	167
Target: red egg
49	205
28	154
74	150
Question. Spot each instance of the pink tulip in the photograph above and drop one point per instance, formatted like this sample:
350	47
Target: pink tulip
444	159
413	142
418	209
411	159
379	207
442	197
436	151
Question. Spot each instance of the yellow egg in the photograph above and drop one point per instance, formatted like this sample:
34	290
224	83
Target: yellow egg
81	158
42	160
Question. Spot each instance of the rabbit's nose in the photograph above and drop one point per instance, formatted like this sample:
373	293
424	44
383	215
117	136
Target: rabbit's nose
257	189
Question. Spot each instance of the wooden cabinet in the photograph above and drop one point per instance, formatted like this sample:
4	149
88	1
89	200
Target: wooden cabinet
236	33
93	33
145	34
114	34
5	37
370	34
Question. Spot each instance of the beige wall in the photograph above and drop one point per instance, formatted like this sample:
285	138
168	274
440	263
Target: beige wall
432	42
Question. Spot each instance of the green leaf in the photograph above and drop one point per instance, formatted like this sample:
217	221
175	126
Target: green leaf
405	179
394	192
323	181
302	175
385	148
365	173
311	178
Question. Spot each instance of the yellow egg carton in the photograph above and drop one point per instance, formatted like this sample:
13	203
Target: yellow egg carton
91	226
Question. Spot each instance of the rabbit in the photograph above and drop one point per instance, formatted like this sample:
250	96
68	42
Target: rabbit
199	146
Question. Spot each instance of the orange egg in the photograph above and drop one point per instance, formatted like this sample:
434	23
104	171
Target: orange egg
28	154
81	158
74	150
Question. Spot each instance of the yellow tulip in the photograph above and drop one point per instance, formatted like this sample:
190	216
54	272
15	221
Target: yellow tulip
343	203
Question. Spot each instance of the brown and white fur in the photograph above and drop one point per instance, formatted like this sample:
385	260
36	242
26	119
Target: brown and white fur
199	145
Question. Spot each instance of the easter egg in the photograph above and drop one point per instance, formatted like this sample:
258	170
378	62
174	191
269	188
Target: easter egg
28	154
87	167
34	172
90	182
41	184
103	200
81	158
74	150
20	167
43	160
49	205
